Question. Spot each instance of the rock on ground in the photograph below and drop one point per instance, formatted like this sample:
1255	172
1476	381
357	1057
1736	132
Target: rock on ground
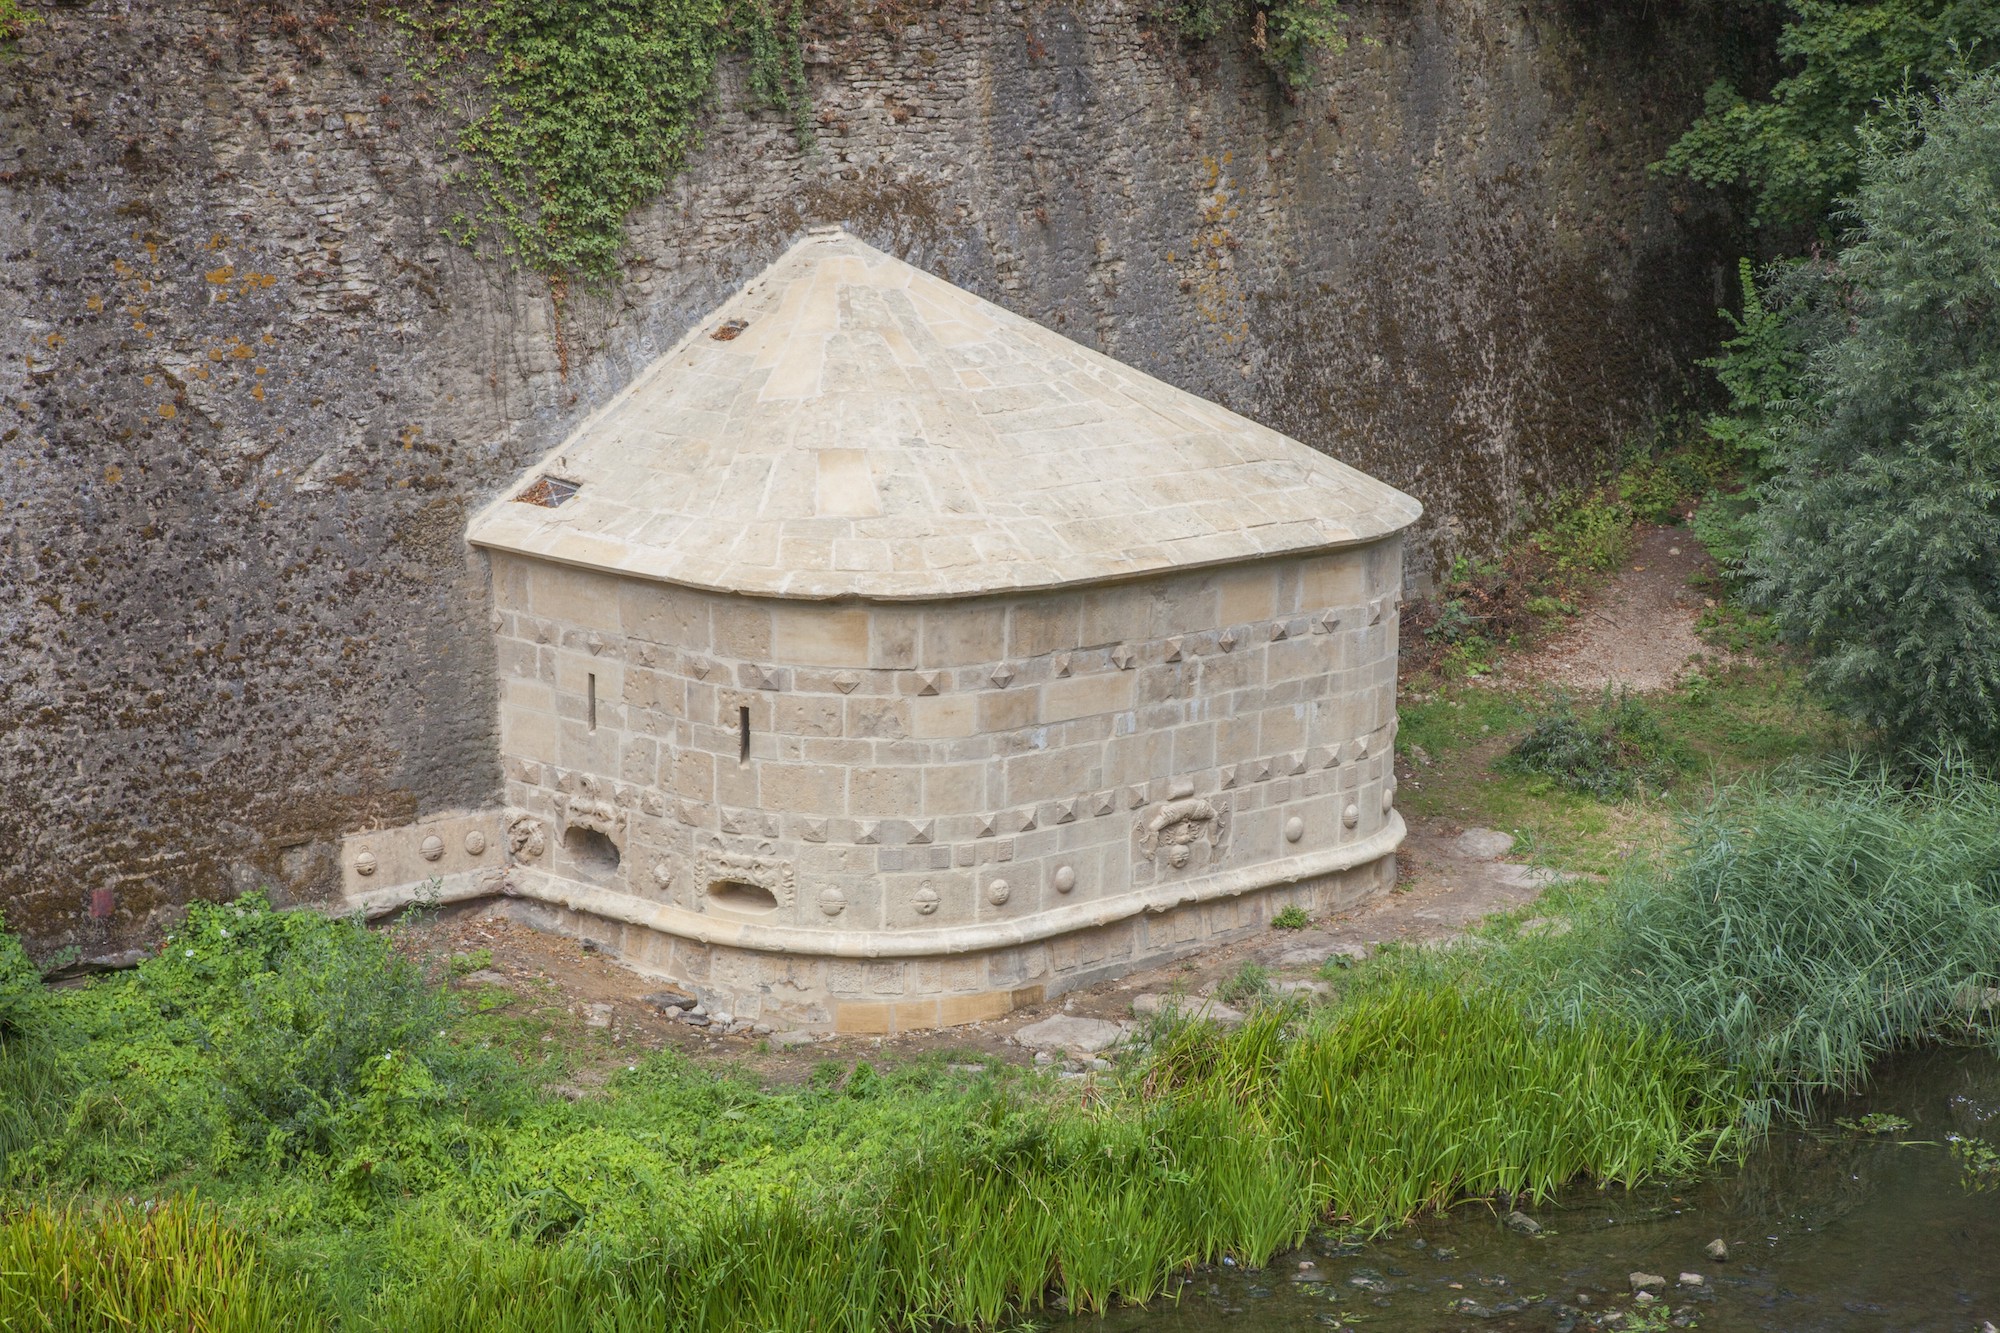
1481	844
1193	1006
1066	1032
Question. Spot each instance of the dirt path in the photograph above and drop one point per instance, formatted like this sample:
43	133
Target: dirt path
1636	631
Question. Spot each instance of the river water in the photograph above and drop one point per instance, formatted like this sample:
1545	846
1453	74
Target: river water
1828	1231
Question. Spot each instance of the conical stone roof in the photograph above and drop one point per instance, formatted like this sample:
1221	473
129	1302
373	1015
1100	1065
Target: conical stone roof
849	426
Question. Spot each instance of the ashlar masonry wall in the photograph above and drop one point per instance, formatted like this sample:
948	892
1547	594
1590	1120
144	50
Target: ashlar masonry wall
940	810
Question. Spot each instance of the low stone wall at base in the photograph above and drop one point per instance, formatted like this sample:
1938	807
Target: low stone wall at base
908	994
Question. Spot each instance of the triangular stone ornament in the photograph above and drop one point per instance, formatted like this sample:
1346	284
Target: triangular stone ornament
812	830
699	667
733	821
1123	657
1173	647
1002	676
1295	763
929	682
923	833
1361	748
1135	797
846	682
870	832
1226	775
986	828
1066	811
1103	802
1325	622
1227	641
1062	664
1279	630
1375	614
1028	821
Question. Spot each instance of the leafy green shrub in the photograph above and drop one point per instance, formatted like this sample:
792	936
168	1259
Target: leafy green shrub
1455	622
1795	151
1585	533
1292	917
14	18
1619	749
1285	34
1879	538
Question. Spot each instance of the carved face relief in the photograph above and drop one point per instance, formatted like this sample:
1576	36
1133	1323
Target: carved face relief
597	816
525	838
742	881
1178	829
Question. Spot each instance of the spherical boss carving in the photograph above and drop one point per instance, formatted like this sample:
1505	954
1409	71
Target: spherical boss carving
998	892
663	873
832	901
1065	878
1351	815
1295	828
1388	798
364	864
925	900
475	843
432	847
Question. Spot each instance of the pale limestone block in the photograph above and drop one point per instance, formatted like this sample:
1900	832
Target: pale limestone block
527	695
1116	614
810	635
575	598
964	636
1339	579
950	789
802	787
946	715
742	628
511	585
575	670
736	782
1180	605
1010	710
517	660
1194	747
577	746
893	636
807	715
1029	776
527	733
1080	696
692	774
874	718
1044	624
663	614
1246	595
884	791
1296	658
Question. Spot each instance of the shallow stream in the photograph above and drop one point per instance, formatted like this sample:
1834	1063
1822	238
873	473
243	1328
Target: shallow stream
1828	1231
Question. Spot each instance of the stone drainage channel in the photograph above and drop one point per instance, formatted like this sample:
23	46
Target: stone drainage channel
1822	1230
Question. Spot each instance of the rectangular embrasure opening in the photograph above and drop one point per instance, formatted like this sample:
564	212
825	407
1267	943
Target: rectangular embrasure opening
593	700
743	734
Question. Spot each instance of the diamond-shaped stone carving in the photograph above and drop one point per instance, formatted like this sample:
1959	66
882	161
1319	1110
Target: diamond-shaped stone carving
1135	797
812	830
595	643
846	682
1325	622
1174	649
1295	762
924	832
1003	675
1103	802
870	833
1361	748
1279	630
1227	775
1028	821
1066	811
699	668
1260	771
930	682
1063	664
1123	657
1325	756
1375	614
987	827
1227	641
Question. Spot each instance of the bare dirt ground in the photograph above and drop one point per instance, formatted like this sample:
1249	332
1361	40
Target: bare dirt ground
1635	632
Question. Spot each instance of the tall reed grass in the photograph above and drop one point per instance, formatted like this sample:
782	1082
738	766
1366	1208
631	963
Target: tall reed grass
172	1269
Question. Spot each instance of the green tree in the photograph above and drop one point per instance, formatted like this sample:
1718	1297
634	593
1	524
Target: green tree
1795	151
1879	539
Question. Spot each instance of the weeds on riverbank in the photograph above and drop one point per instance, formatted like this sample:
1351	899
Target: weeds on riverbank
681	1200
1800	926
1615	750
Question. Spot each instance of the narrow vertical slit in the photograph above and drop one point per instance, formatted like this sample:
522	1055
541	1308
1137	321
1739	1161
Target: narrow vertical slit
593	701
743	734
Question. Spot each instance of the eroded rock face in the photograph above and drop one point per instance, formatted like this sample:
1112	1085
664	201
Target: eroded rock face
248	393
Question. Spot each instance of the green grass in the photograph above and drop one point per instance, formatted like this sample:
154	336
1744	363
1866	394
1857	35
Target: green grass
431	1186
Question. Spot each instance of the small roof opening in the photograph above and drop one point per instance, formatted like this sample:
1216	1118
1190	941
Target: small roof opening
548	491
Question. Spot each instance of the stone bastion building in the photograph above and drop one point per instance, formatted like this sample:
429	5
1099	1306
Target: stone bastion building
880	659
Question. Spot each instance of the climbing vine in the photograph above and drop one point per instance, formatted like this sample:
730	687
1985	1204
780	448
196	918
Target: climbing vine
581	110
1284	33
15	16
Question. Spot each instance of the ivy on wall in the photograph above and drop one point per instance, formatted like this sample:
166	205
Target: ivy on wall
581	110
1284	33
14	16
